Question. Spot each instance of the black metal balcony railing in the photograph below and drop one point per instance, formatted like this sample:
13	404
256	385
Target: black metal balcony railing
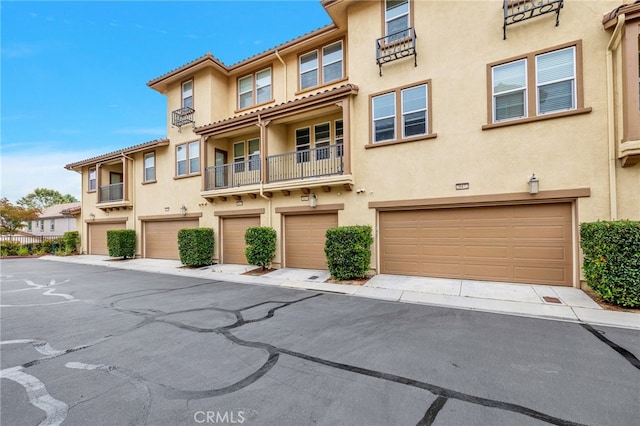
308	163
182	116
395	46
113	192
316	162
233	174
520	10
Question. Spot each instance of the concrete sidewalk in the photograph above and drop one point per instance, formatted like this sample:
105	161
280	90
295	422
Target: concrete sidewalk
561	303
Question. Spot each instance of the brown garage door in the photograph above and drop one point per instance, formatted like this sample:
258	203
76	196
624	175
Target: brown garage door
98	236
304	239
233	230
161	238
524	243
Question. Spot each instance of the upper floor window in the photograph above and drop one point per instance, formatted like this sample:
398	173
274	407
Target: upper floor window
92	179
41	225
254	89
150	167
396	18
535	85
188	158
52	226
242	151
320	144
401	114
187	94
322	66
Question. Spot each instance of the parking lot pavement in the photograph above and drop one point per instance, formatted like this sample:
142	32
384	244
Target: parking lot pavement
84	344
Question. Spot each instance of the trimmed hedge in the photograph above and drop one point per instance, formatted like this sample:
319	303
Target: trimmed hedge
261	245
612	260
121	243
9	248
348	251
71	241
196	246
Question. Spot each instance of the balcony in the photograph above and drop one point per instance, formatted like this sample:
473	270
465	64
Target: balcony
317	167
239	173
111	193
398	45
516	11
182	117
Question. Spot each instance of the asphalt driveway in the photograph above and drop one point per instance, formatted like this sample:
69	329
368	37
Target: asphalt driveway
92	345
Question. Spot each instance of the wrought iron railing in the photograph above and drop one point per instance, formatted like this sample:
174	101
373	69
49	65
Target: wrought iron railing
395	46
235	174
520	10
113	192
316	162
182	116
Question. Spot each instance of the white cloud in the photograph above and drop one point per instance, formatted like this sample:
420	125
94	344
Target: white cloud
23	172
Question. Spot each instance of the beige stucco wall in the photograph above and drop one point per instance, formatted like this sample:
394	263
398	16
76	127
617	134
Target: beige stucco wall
565	153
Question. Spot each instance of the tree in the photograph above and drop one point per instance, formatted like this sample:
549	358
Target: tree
13	217
41	198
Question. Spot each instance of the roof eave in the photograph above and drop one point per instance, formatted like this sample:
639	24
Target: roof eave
116	154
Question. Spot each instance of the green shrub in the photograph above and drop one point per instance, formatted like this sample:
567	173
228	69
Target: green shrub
612	260
196	246
71	240
23	251
121	243
348	251
9	248
261	245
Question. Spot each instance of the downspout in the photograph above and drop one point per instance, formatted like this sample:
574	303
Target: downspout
284	85
614	42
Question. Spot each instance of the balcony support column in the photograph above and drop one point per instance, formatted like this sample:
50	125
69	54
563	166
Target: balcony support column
205	161
346	135
98	182
262	124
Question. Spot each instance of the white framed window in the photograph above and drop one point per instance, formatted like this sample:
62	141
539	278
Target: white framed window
309	70
238	157
396	19
41	225
339	137
414	111
92	179
556	81
149	167
188	159
52	225
332	62
253	152
322	66
384	117
322	140
510	90
401	114
303	144
555	73
254	89
187	94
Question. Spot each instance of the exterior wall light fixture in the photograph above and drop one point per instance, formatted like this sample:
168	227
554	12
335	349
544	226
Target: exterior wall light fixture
92	216
313	201
183	210
534	184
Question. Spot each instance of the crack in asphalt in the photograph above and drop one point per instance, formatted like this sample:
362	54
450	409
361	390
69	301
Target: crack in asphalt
443	395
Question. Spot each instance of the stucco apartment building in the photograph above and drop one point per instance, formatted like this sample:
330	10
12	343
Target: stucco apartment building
425	119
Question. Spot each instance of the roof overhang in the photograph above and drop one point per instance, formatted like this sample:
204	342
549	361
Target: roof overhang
317	100
630	11
117	154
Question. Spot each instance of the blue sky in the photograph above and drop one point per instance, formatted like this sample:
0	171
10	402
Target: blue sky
73	74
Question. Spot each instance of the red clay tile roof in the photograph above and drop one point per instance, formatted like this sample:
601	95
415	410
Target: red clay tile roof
115	154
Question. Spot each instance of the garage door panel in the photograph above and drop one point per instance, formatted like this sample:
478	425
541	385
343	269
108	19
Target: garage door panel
500	243
98	236
305	237
161	238
233	232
